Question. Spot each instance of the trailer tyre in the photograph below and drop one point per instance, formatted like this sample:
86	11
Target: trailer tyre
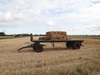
38	47
76	45
69	45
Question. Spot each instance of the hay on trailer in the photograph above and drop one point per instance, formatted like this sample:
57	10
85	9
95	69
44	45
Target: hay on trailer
55	35
43	38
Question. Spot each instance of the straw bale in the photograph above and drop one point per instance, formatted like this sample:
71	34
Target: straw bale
55	35
60	33
53	32
52	38
42	38
64	33
48	36
65	38
61	38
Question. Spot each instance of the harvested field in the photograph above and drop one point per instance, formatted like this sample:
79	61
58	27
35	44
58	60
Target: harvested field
52	61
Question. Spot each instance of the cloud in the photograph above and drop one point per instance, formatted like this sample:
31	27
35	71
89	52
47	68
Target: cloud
92	26
87	27
5	16
13	24
72	14
51	23
8	17
18	16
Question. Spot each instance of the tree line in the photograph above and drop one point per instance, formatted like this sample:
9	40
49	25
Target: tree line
16	35
2	34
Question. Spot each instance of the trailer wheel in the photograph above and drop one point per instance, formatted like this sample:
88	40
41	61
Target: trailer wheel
76	45
69	45
38	47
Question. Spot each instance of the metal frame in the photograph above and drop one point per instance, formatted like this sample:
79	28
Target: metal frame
32	40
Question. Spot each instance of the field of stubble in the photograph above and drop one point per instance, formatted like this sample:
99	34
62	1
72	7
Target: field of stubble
56	60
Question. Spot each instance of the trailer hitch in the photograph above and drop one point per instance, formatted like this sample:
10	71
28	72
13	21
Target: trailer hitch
29	46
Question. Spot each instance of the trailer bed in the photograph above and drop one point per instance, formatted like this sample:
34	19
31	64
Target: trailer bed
70	44
56	40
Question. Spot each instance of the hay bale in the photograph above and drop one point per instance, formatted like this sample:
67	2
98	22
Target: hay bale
49	36
55	35
43	38
63	33
65	38
60	33
61	38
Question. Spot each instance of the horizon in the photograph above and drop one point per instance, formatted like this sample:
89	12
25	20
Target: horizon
76	17
45	34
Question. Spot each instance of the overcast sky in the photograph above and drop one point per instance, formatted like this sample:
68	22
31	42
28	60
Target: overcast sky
39	16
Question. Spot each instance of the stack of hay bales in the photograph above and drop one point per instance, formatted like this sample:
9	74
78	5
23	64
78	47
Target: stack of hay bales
42	38
55	35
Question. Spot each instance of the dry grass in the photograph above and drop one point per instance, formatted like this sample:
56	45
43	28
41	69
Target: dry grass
52	61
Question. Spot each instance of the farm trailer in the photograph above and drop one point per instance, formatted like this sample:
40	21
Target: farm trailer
70	44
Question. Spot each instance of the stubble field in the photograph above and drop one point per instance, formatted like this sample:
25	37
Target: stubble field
56	60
